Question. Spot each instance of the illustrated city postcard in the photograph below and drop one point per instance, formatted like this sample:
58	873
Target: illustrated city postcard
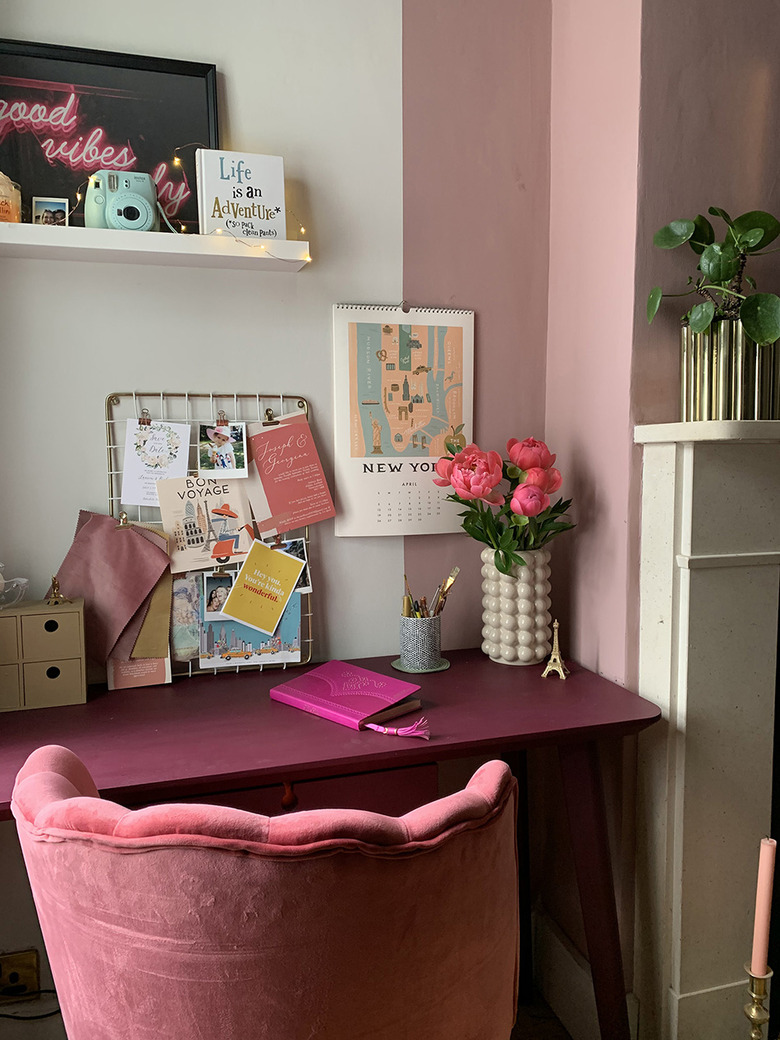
263	588
207	522
403	389
227	643
153	451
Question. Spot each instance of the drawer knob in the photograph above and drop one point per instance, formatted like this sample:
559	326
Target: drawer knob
51	625
289	798
53	672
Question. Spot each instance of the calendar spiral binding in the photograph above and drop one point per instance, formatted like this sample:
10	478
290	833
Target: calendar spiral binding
393	307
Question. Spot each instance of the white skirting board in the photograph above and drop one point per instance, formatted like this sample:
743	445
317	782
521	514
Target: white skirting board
562	975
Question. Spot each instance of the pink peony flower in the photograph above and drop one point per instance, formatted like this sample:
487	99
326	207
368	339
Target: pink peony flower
554	480
529	454
444	469
529	500
549	480
475	474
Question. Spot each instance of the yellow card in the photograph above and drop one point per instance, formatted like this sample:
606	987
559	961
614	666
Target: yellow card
262	587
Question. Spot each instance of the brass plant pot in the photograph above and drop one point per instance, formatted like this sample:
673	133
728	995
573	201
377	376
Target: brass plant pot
725	375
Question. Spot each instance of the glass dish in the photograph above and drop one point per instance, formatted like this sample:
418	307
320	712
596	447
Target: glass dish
12	591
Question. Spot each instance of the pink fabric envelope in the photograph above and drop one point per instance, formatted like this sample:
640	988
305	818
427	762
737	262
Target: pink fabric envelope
115	571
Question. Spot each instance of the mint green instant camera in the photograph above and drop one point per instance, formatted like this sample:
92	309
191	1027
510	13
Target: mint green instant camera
121	200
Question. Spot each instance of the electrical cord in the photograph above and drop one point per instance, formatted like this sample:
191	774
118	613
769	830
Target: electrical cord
31	1018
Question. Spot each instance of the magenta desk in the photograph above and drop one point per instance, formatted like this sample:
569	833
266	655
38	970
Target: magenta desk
220	733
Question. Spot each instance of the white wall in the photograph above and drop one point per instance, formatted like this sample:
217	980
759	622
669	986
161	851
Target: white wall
319	84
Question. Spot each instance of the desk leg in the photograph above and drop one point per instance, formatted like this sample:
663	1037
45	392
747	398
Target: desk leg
518	763
588	825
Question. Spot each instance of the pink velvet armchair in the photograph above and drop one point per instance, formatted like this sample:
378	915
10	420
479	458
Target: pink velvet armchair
197	921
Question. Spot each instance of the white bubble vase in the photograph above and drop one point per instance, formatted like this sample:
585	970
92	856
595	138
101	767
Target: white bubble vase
516	621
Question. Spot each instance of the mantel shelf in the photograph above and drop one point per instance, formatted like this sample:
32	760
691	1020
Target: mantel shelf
763	431
32	242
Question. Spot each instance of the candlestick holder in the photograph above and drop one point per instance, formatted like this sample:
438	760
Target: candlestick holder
756	1013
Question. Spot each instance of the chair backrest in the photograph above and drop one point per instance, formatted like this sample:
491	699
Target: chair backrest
193	921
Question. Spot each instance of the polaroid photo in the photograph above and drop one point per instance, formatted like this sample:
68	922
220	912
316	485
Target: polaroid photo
222	450
216	587
297	547
50	211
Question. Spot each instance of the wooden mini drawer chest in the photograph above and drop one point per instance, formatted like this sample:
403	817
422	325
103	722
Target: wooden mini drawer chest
42	655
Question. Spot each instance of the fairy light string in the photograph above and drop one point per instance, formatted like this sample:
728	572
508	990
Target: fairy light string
261	247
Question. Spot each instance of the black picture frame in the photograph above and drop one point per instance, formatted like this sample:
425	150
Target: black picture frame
66	112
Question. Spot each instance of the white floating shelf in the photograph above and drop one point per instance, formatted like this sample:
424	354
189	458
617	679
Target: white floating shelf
33	242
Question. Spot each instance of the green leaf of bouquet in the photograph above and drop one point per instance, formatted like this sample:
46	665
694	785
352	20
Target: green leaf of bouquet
716	211
719	262
653	302
751	281
760	316
703	236
758	220
700	317
674	234
502	562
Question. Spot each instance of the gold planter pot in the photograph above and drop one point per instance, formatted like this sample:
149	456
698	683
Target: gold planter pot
725	375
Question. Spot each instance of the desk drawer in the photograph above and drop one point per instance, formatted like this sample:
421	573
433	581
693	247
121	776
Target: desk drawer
53	682
51	637
10	688
389	791
9	650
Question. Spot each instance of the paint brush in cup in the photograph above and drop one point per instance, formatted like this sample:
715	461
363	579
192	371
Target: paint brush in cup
443	590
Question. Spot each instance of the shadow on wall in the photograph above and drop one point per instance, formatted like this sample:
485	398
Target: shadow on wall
569	550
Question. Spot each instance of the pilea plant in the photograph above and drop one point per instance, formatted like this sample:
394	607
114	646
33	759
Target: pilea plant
726	292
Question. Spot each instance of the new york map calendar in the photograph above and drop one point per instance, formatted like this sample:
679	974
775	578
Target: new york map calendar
403	385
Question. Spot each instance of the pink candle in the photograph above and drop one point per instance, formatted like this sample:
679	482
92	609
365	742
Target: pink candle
766	873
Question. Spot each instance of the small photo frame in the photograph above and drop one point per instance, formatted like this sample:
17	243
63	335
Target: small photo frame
216	587
52	212
297	547
222	450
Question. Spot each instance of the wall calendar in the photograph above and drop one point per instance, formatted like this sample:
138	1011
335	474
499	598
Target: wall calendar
403	385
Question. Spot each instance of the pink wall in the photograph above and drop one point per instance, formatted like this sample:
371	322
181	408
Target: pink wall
719	148
593	200
476	209
593	203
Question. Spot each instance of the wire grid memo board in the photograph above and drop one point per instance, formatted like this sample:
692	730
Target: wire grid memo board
195	409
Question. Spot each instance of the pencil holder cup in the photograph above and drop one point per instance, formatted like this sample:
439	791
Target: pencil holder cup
421	645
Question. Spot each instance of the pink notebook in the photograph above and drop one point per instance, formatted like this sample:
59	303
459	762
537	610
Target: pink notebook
348	694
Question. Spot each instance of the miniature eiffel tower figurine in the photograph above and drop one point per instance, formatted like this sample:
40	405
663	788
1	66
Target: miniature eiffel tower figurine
555	663
55	597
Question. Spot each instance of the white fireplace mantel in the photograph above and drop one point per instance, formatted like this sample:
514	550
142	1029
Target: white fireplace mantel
709	579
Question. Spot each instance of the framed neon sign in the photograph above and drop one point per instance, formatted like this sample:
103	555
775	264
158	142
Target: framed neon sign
66	112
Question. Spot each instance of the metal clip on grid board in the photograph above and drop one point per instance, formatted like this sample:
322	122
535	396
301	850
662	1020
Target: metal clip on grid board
194	409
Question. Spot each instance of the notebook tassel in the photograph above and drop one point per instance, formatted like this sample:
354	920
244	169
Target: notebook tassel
418	729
